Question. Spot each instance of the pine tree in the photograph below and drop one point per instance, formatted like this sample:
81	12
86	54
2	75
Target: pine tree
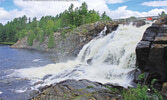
51	42
105	17
30	38
162	14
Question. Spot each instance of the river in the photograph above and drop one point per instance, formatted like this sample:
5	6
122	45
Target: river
106	59
11	88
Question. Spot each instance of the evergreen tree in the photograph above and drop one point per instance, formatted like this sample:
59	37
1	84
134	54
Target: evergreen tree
162	14
46	26
1	33
21	34
49	27
51	42
83	12
105	17
31	37
41	37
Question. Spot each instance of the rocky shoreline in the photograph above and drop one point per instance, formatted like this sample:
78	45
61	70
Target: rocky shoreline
72	42
79	90
88	90
151	60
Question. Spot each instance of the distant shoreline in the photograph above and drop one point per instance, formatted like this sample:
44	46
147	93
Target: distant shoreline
7	43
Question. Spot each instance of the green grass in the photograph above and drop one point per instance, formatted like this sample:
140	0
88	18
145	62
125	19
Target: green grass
7	43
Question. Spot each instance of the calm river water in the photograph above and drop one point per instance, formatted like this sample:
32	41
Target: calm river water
12	88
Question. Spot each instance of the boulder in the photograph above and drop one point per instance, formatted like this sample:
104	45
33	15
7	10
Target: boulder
151	51
78	90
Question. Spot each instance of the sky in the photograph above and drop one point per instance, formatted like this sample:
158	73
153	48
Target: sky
10	9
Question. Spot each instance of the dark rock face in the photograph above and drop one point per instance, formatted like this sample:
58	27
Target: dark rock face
77	90
151	51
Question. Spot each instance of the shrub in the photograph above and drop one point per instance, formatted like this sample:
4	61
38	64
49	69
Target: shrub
141	76
140	93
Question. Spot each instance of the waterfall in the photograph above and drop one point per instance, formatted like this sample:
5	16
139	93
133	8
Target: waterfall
106	59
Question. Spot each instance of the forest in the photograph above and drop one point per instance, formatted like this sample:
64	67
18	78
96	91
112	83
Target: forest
47	25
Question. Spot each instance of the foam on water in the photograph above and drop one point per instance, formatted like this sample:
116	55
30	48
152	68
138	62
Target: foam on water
21	90
36	60
111	59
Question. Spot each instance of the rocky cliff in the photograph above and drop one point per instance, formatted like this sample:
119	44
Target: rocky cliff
71	42
151	51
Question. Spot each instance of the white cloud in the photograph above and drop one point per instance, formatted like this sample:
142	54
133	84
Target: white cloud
156	3
44	8
114	1
123	12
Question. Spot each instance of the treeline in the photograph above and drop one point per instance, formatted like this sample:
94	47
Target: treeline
46	26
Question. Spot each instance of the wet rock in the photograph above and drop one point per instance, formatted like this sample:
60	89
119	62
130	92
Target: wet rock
151	51
150	33
45	87
142	52
89	61
139	23
78	90
46	76
37	83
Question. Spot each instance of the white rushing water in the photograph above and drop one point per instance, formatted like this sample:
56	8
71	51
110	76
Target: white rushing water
111	59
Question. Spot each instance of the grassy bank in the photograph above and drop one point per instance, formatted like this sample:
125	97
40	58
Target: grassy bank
7	43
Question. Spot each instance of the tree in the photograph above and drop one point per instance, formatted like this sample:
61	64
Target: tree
1	33
21	34
57	25
41	37
51	42
34	23
162	14
83	11
31	37
49	27
105	17
92	16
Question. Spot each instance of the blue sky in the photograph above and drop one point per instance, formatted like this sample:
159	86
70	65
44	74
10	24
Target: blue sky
10	9
8	5
134	5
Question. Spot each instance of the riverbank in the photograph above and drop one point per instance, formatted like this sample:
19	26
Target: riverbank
85	89
7	43
69	43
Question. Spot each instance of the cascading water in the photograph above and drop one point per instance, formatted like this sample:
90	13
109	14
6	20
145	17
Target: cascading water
105	59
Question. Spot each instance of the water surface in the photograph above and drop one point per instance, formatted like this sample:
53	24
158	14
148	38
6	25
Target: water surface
12	88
